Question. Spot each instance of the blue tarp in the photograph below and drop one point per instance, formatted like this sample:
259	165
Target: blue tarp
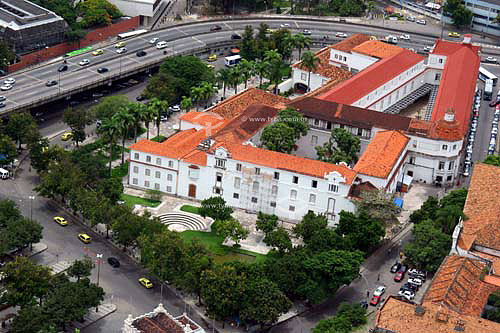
398	202
3	157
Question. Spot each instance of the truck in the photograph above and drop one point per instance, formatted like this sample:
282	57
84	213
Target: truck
488	90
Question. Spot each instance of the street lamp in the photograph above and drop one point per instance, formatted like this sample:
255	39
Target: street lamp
31	197
98	256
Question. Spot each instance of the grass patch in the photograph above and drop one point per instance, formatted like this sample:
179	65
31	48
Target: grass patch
221	253
120	171
191	209
159	138
131	200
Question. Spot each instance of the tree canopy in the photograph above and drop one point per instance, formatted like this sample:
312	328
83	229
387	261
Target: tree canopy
460	15
342	146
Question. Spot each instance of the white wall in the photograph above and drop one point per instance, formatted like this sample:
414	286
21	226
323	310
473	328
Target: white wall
353	60
134	8
301	76
160	172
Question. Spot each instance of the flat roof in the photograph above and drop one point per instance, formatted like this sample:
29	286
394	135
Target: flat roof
17	14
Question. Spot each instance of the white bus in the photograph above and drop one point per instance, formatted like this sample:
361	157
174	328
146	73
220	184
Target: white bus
485	75
132	33
232	60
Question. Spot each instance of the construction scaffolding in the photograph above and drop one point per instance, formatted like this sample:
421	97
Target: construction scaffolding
260	197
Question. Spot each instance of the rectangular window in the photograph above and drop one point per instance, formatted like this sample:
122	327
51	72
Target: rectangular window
255	187
314	140
236	195
274	190
360	132
146	183
333	188
217	190
295	180
257	171
135	181
254	200
444	147
157	186
412	160
314	184
157	174
169	188
218	177
276	175
454	147
437	77
440	60
169	177
329	125
316	122
158	161
237	182
312	198
136	156
293	195
439	178
303	76
291	208
449	178
220	163
441	166
451	165
148	158
238	166
273	204
147	171
170	164
136	169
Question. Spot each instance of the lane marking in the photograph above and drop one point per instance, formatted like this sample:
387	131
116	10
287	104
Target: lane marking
183	32
198	40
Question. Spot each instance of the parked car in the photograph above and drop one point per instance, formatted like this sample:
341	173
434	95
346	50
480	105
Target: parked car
113	262
175	108
375	300
410	286
411	18
306	32
364	304
415	281
62	68
6	87
98	52
10	81
284	25
409	295
379	291
2	105
399	276
140	98
66	136
212	57
60	220
395	267
84	238
161	45
2	98
454	34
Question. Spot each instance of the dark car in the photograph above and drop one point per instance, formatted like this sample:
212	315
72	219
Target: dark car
235	36
102	70
409	286
141	53
395	267
140	98
2	98
403	268
2	72
51	83
113	262
364	304
2	105
216	28
62	68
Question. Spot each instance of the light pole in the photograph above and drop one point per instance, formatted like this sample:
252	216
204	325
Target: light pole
31	197
59	81
98	256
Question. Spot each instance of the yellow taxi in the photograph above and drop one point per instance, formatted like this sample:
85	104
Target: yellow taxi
373	37
66	136
84	238
97	52
454	34
269	31
120	44
146	283
210	66
212	57
60	220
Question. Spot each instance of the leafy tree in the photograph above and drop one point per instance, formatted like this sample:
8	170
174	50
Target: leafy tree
248	44
162	86
301	42
235	78
310	224
275	71
41	154
139	113
158	106
454	198
379	205
246	69
460	15
77	120
447	218
232	229
264	302
97	12
80	268
429	247
294	120
426	212
266	222
31	319
362	232
327	239
23	232
279	239
110	188
278	137
150	114
108	106
26	283
216	208
127	227
6	55
348	318
8	212
342	146
75	35
19	127
7	149
187	103
261	70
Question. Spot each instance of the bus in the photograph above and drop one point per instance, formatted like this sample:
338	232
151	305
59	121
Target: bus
488	90
132	33
232	60
78	52
485	75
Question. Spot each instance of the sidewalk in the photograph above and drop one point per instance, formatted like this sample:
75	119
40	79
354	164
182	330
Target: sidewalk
92	316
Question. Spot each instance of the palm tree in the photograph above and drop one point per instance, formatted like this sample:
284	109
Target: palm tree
261	69
301	42
247	69
309	62
138	111
223	76
109	129
275	72
186	103
149	116
235	78
208	90
124	119
158	106
271	54
197	95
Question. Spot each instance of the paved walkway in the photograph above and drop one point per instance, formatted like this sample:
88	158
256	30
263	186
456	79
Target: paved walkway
92	316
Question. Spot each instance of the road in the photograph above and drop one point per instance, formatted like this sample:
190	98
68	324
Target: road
30	84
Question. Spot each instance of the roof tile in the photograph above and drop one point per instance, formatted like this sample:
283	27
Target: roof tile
377	49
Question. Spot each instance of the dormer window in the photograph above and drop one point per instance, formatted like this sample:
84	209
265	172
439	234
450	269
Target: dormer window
220	163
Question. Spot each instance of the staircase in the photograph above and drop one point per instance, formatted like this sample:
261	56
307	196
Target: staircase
410	98
430	105
180	221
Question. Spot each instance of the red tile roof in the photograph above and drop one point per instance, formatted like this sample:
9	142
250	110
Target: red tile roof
205	119
325	69
351	42
377	49
366	81
457	87
381	154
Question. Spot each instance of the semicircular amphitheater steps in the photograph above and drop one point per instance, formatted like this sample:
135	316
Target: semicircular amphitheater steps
179	221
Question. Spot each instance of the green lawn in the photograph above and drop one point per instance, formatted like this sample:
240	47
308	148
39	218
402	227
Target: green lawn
191	209
220	252
131	200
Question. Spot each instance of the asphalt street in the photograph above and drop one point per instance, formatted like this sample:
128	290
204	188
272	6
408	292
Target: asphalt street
30	84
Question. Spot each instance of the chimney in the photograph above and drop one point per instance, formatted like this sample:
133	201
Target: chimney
467	39
449	116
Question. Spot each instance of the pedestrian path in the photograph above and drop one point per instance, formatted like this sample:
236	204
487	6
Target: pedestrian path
92	316
60	266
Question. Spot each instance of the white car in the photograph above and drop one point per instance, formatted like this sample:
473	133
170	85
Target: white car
6	87
379	291
154	40
10	81
406	294
175	108
306	32
341	35
415	281
84	62
121	50
284	25
161	45
423	22
491	59
428	48
405	37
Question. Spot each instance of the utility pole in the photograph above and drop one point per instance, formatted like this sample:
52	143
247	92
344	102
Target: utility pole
31	197
98	256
